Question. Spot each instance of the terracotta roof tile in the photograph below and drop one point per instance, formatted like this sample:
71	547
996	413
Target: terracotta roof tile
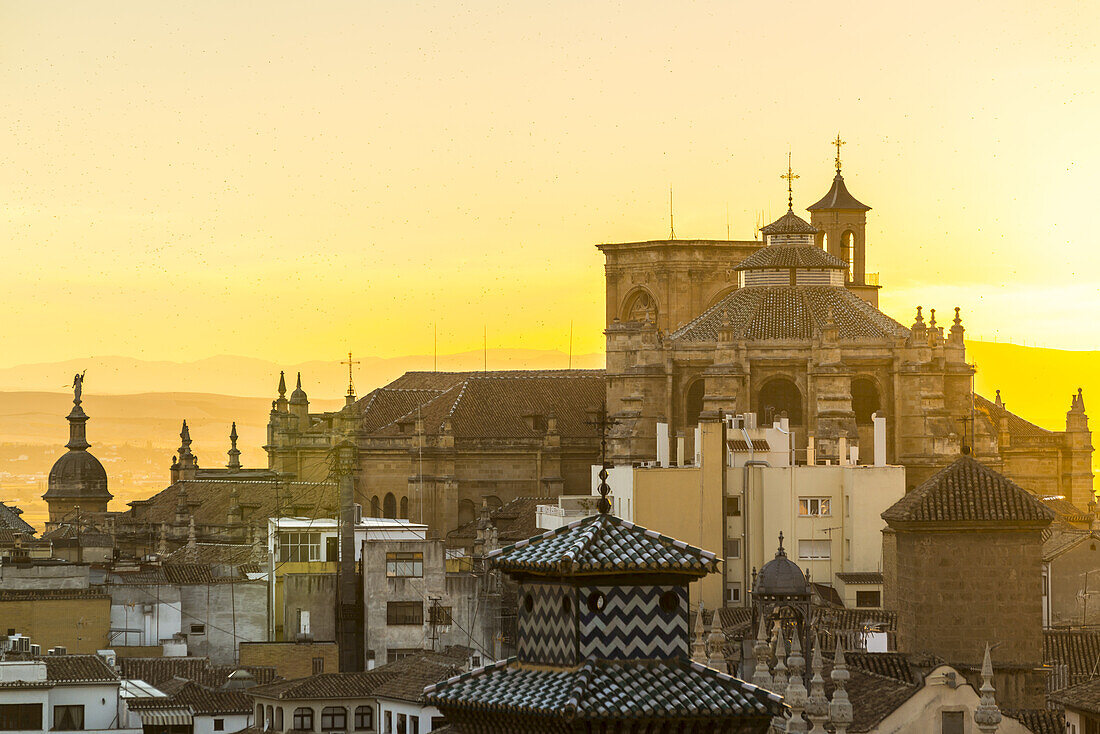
1078	650
325	685
156	671
1039	721
78	669
1017	426
968	491
838	198
209	501
513	520
790	313
1083	696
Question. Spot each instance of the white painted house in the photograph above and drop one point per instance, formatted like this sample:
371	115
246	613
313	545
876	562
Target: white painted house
61	693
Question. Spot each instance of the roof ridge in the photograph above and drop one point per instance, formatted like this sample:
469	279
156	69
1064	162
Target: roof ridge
420	406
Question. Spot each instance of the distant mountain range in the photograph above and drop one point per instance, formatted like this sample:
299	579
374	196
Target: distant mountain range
247	376
136	406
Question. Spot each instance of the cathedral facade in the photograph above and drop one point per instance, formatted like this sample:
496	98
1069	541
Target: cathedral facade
788	327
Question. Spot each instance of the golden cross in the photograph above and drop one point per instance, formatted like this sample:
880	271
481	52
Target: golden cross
349	362
838	142
790	176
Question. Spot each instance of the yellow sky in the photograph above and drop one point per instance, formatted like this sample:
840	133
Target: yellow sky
290	180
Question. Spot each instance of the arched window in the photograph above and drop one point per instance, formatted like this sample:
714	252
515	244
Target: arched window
493	502
334	718
375	509
303	718
777	397
364	718
279	719
389	506
865	400
640	307
259	716
848	254
466	511
693	402
270	717
404	508
823	241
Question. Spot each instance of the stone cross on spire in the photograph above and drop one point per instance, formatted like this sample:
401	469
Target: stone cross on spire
790	176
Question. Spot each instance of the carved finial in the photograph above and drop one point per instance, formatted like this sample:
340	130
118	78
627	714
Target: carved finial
987	716
762	676
234	453
795	695
840	708
817	710
780	552
920	318
698	644
932	320
282	384
716	645
780	677
958	319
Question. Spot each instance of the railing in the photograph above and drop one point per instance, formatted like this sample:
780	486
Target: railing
870	279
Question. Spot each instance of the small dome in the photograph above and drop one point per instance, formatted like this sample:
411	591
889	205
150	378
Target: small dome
789	223
781	577
299	395
77	474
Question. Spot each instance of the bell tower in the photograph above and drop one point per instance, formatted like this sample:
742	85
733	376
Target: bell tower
841	220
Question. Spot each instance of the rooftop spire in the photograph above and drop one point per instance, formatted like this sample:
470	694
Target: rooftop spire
78	440
840	708
351	386
987	716
838	142
234	453
790	175
282	384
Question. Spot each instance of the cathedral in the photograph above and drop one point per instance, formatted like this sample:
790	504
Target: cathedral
789	328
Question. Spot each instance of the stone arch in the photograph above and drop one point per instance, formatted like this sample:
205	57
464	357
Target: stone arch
848	254
375	507
866	399
779	395
719	295
693	401
389	506
404	508
493	502
466	511
637	304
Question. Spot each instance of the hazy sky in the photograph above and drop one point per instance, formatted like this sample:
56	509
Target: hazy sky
291	180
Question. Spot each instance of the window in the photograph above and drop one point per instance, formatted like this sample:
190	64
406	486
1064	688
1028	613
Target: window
364	718
414	724
442	615
259	716
405	565
814	549
813	507
733	592
68	718
404	612
402	724
847	549
219	724
733	506
303	621
299	547
20	716
734	549
198	629
334	718
279	719
270	717
868	599
952	722
389	722
303	718
318	666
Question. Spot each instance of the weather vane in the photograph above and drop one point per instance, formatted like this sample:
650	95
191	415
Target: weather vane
838	142
349	362
602	422
790	175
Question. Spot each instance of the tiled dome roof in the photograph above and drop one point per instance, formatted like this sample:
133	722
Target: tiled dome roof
791	256
838	198
789	223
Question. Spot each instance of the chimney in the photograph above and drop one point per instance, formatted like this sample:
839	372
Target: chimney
880	438
681	442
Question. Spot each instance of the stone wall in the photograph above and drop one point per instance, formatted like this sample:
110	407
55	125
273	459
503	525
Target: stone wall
292	659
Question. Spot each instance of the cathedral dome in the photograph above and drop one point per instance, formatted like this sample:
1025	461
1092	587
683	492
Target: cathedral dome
77	474
781	577
299	395
791	256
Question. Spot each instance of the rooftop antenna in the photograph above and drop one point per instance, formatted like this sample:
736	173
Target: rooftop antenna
790	176
484	348
838	142
727	220
435	347
671	224
570	343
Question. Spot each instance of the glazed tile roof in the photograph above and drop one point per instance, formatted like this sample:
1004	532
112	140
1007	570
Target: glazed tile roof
1017	426
606	690
325	685
486	404
158	671
791	256
789	223
1039	721
790	312
513	520
1078	650
861	577
838	198
1084	696
78	669
603	543
209	500
968	491
9	518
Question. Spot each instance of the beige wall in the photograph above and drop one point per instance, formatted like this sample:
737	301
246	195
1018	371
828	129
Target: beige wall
291	659
79	625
